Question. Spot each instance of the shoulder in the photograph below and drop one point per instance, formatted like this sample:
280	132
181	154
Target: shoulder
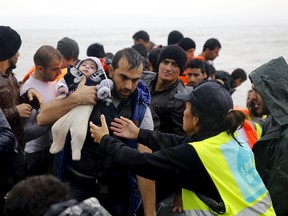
147	122
148	76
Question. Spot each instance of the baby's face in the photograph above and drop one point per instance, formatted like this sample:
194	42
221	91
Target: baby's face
88	67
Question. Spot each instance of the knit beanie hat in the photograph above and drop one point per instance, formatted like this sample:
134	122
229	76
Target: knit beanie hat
96	49
211	99
173	52
10	42
68	48
174	37
187	43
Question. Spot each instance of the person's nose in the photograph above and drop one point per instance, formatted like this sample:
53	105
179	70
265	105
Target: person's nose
253	95
169	66
128	84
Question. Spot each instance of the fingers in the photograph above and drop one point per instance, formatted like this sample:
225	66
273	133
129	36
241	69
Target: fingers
177	209
83	81
122	121
103	120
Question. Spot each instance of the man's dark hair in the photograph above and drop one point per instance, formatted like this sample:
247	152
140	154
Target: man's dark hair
141	35
239	74
211	44
153	57
96	50
34	195
133	58
45	55
196	63
174	37
140	48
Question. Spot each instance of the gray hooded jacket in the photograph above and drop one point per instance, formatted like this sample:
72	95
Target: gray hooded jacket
271	151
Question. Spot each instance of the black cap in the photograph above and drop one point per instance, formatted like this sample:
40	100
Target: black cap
173	52
10	42
187	43
174	37
210	98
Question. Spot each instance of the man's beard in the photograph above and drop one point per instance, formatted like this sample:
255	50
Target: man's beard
12	65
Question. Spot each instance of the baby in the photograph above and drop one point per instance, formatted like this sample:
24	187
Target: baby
77	119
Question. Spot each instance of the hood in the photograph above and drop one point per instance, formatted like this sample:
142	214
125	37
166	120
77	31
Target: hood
96	60
271	82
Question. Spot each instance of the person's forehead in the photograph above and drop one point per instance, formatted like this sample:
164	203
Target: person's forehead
193	70
89	61
169	60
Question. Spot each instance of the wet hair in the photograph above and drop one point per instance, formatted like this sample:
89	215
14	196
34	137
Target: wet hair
141	35
133	58
211	44
239	74
34	195
45	55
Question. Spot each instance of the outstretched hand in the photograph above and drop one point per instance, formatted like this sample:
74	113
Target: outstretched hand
124	127
98	132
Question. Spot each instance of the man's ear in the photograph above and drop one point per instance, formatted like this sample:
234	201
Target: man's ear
195	120
39	68
110	70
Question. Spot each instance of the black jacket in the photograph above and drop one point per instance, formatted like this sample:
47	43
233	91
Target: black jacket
167	112
12	164
164	165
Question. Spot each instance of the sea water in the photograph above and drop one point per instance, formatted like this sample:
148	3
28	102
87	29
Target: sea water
245	47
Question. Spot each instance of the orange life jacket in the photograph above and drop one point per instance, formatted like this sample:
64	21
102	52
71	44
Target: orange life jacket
27	75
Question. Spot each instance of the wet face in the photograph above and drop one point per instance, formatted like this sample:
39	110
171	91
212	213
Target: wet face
261	109
125	79
88	67
194	76
190	121
168	71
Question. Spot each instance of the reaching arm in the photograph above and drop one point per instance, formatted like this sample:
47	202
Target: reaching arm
52	111
147	189
155	140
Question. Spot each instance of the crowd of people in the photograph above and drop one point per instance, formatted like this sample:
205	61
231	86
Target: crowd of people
148	130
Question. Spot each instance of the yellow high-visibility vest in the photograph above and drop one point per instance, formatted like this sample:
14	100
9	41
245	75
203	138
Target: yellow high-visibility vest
232	169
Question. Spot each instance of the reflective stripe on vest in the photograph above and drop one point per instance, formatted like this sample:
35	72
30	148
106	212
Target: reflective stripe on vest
232	169
261	206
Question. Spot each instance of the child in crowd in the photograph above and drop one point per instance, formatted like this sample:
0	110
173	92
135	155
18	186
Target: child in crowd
77	119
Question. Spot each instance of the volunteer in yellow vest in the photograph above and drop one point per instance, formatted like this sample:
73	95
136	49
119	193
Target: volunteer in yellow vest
214	165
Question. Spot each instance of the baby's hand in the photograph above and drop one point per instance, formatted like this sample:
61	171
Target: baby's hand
62	90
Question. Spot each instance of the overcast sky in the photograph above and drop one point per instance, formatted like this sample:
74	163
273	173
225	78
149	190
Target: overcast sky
117	13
